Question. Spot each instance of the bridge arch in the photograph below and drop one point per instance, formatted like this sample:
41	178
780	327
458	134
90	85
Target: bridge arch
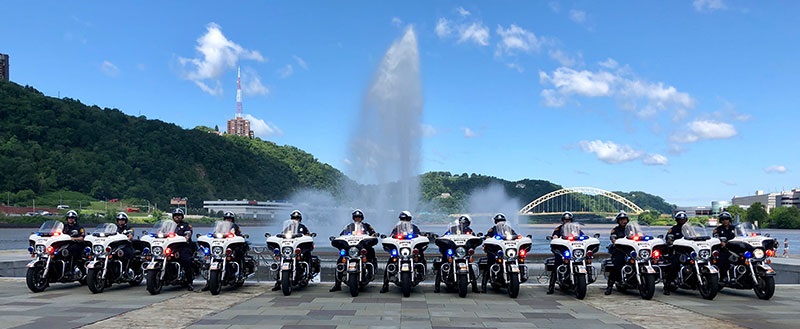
632	207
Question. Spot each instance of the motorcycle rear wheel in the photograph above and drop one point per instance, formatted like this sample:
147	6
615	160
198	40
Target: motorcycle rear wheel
215	282
648	286
286	283
352	283
35	278
710	287
405	283
513	286
580	286
95	281
154	283
765	287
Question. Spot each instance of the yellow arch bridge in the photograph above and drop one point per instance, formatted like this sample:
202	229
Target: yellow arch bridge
580	200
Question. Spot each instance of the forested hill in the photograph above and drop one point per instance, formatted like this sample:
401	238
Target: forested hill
49	144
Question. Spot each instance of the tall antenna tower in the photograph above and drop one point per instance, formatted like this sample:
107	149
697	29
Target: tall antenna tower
239	92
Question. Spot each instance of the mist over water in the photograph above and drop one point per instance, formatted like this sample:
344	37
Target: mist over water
485	203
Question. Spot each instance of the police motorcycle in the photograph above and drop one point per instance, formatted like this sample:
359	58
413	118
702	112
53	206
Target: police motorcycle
458	269
52	262
354	269
289	246
643	253
509	269
106	265
222	249
695	255
163	255
750	253
577	251
405	267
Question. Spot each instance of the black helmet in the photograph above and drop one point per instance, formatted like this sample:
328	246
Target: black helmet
358	214
499	218
229	215
72	214
681	216
122	216
297	215
177	212
567	216
464	220
725	216
405	215
621	215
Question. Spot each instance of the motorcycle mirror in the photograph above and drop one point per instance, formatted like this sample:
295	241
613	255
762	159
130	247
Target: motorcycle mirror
188	233
331	238
548	238
766	235
480	234
529	236
597	235
266	235
144	232
313	235
246	236
197	235
375	235
660	236
383	236
280	235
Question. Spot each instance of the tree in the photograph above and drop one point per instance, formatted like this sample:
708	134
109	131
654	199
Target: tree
785	217
735	210
757	214
649	216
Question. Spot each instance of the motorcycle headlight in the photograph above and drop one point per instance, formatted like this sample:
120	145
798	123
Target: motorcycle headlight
217	251
287	251
98	249
644	253
578	254
758	253
511	253
704	254
39	249
353	252
405	252
158	251
461	252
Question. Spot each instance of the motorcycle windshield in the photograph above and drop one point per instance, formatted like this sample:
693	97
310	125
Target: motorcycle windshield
50	227
291	228
106	229
165	227
747	229
457	228
691	231
505	231
223	227
354	229
571	229
633	229
404	228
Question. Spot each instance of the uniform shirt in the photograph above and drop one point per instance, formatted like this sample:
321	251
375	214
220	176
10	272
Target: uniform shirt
415	230
182	228
491	232
559	231
236	230
617	232
468	230
74	227
302	229
368	230
676	231
729	232
122	229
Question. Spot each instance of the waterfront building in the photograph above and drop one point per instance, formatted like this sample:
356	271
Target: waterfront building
770	200
249	209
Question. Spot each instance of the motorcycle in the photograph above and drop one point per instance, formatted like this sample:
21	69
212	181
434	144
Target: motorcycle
577	251
457	269
353	268
509	269
694	256
291	267
641	252
162	255
225	253
106	265
52	261
406	249
750	252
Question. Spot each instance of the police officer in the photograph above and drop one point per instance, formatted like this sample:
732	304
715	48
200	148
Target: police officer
123	228
617	256
76	233
463	227
566	217
491	257
675	232
297	216
230	217
358	217
727	231
405	216
187	251
238	253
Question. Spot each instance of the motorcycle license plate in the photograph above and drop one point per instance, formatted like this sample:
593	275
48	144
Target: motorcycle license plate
650	269
151	266
351	267
462	267
214	266
581	269
514	268
405	267
285	266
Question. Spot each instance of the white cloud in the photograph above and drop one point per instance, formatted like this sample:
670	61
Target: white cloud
261	128
443	28
704	129
286	71
251	84
708	5
552	98
463	12
109	69
775	170
610	152
468	133
427	130
348	162
655	159
563	58
516	66
584	83
610	64
217	54
516	39
577	16
475	32
728	182
396	21
300	62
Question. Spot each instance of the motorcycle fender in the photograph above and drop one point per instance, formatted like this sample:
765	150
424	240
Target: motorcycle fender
462	268
352	267
768	270
712	269
650	269
286	266
581	269
405	267
33	263
93	264
214	266
514	268
152	265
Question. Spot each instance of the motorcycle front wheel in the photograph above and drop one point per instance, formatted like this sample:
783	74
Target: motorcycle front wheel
765	287
580	286
405	283
513	286
352	283
154	283
708	289
286	282
35	278
647	286
95	281
214	282
463	280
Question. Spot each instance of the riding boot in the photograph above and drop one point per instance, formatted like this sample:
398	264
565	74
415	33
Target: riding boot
609	288
385	287
277	286
337	285
552	284
485	278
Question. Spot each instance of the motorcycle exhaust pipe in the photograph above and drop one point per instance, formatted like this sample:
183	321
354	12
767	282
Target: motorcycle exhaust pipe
340	267
274	266
391	268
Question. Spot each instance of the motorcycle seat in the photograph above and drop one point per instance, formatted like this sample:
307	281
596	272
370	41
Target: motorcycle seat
697	238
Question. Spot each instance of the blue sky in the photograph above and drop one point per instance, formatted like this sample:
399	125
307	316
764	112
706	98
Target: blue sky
691	100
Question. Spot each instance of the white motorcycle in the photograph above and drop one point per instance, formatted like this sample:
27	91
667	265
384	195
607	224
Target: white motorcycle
227	262
576	251
750	252
106	265
52	262
642	253
694	256
163	255
291	267
508	269
353	267
456	269
406	251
